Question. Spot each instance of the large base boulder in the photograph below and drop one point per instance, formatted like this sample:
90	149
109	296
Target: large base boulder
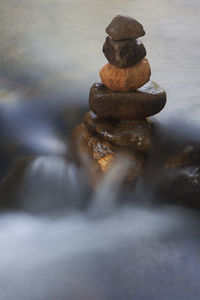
98	155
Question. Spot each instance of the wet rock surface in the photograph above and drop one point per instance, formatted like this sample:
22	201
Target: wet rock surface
183	184
135	105
122	28
10	185
123	133
123	53
99	155
189	155
178	179
126	79
42	184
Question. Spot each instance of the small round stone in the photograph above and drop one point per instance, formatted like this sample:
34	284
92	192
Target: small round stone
135	133
126	79
122	28
134	105
124	53
99	155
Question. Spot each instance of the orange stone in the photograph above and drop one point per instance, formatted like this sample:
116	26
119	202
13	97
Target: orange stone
126	79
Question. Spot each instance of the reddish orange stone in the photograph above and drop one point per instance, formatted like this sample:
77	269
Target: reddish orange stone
126	79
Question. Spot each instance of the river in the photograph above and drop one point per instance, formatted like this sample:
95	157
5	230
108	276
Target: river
53	247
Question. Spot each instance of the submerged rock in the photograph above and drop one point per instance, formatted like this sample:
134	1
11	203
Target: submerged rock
10	185
122	28
43	184
124	53
99	155
126	79
134	105
190	155
123	133
180	180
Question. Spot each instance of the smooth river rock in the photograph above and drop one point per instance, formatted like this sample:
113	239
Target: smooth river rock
123	133
124	53
99	155
122	28
126	79
135	105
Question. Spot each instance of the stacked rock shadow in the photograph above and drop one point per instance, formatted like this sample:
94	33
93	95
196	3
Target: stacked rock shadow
117	124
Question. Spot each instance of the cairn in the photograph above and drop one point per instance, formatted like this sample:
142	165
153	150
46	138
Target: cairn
117	123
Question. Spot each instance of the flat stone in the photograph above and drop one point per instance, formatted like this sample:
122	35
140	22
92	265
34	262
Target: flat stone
124	53
122	28
135	105
123	133
99	155
126	79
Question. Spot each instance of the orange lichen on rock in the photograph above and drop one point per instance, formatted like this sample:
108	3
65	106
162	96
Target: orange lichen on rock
106	162
126	79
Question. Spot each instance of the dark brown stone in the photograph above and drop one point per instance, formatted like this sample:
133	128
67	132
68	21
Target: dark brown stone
11	183
190	155
122	28
124	53
123	133
178	179
98	155
147	101
180	185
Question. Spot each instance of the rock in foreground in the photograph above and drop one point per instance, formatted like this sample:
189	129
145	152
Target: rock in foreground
135	105
123	133
122	28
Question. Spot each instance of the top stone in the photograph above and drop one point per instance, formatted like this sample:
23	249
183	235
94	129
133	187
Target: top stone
122	28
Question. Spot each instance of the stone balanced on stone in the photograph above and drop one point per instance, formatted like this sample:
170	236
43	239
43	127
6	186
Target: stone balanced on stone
117	124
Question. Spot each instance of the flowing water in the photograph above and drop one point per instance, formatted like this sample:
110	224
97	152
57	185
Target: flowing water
65	241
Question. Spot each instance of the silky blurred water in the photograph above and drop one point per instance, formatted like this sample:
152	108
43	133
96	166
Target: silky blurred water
50	55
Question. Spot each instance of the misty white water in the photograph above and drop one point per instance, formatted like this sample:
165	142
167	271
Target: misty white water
50	53
134	254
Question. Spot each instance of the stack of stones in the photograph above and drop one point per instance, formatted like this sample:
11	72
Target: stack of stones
120	105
